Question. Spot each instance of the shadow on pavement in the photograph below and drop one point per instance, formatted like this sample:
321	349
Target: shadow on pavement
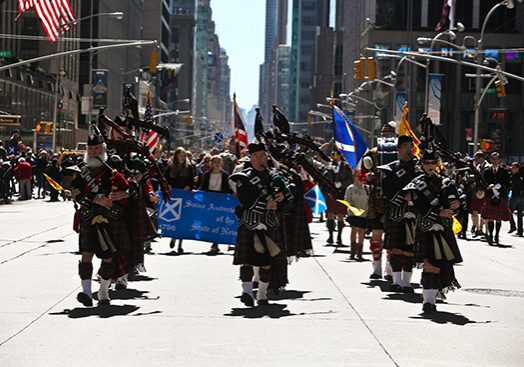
447	318
53	241
174	253
287	294
130	294
406	297
273	311
103	312
140	278
384	285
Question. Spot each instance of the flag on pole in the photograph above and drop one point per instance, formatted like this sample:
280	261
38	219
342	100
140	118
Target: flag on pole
240	134
448	11
56	16
316	200
149	138
405	129
348	140
55	185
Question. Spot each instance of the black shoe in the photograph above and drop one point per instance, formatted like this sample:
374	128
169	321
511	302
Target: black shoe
172	243
262	302
428	307
388	277
375	276
247	300
395	288
180	250
473	230
489	239
120	286
104	302
519	234
512	229
84	299
496	240
409	290
330	239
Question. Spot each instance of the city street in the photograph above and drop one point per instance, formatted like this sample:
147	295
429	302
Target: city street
185	310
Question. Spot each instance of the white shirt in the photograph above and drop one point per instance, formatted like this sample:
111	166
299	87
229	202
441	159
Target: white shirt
215	181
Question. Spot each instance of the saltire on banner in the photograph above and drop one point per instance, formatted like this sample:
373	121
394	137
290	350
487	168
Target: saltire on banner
240	135
348	140
149	138
56	16
404	128
448	11
316	201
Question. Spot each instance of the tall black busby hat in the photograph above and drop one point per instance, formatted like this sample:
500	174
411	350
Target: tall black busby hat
256	147
94	139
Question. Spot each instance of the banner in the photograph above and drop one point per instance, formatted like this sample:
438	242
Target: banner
100	83
435	94
199	215
401	97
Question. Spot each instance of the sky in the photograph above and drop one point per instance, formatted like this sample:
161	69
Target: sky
240	25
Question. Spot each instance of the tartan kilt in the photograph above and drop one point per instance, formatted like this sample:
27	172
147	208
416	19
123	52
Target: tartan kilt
425	247
116	229
278	274
334	206
297	237
139	223
476	204
395	234
245	253
498	212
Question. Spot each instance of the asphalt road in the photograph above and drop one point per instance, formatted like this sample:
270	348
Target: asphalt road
185	310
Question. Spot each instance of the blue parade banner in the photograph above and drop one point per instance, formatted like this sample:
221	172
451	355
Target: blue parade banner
199	215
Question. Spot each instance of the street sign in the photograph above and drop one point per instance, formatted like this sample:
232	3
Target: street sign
497	114
6	54
10	120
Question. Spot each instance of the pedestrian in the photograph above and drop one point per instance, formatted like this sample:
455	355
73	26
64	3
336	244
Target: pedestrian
495	208
215	180
41	167
479	196
399	227
24	173
180	175
54	171
436	201
357	196
259	237
516	203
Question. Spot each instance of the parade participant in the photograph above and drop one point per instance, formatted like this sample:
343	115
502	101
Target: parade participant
436	200
216	180
341	174
24	173
516	202
478	197
96	188
55	172
496	207
357	195
399	224
259	238
180	175
41	168
384	153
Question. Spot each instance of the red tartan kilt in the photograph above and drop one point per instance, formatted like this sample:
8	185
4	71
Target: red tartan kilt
334	206
496	212
476	204
245	253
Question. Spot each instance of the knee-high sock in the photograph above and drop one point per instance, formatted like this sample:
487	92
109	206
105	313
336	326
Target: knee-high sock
429	296
103	292
406	278
85	270
397	278
498	224
262	291
247	287
376	249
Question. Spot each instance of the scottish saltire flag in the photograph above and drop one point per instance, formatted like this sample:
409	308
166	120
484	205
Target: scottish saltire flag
348	140
316	200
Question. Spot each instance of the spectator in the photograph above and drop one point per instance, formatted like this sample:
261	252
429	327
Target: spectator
516	202
41	168
54	171
13	146
25	174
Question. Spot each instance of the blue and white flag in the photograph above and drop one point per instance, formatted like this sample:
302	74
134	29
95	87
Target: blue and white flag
316	200
348	140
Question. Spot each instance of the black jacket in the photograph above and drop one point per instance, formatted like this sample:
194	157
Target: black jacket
225	182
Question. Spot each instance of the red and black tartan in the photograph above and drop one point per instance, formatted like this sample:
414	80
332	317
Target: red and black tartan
297	238
476	204
498	212
425	247
245	253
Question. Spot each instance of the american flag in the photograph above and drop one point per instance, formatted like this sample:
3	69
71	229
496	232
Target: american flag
147	137
241	139
56	16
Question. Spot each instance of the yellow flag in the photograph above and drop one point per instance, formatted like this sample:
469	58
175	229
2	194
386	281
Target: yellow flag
456	226
405	129
356	211
53	183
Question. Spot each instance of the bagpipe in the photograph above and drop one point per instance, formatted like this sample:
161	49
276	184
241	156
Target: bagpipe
131	144
433	138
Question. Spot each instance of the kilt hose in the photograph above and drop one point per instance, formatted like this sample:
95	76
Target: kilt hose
498	212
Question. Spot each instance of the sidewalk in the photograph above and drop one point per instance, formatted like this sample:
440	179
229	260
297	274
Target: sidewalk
185	310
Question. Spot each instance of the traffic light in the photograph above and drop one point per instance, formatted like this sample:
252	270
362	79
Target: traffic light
371	68
38	127
485	144
153	61
189	119
359	68
501	90
49	128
